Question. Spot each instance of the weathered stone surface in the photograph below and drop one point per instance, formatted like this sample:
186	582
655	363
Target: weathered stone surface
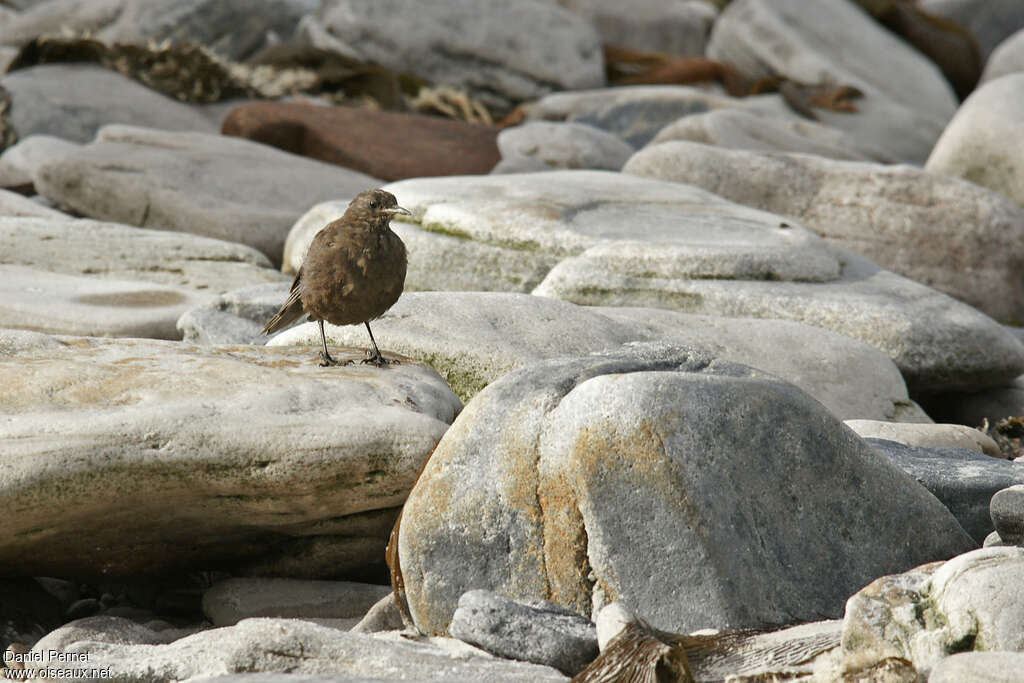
980	144
744	128
973	602
557	481
1007	510
1006	59
383	144
19	161
236	317
44	301
530	631
232	600
906	99
114	251
245	192
219	457
649	25
927	435
943	232
964	480
473	338
115	630
73	101
17	205
636	113
234	28
980	667
989	21
277	647
496	51
382	616
563	145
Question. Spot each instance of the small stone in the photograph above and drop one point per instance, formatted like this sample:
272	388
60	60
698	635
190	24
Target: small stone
564	145
530	631
1007	510
384	615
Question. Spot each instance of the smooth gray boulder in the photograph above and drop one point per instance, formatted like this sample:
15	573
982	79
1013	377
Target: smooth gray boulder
19	161
236	317
1006	59
1007	511
698	492
907	100
746	128
19	206
952	235
563	145
981	143
234	599
290	649
973	602
503	52
73	101
55	303
927	435
245	192
116	251
649	25
530	631
247	458
964	480
474	338
989	21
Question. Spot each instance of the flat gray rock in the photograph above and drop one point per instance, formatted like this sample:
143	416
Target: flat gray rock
236	317
503	52
940	231
745	128
232	600
563	145
235	457
474	338
963	479
44	301
1006	59
529	631
20	206
211	185
697	492
19	161
73	101
906	99
306	653
980	143
649	25
973	602
100	250
927	435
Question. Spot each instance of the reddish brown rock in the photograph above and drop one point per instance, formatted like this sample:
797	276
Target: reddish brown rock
384	144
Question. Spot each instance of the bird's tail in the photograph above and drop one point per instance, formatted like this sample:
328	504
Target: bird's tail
289	313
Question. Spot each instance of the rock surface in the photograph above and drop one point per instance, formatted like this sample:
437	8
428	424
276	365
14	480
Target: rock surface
1007	510
902	218
906	99
970	602
382	144
232	600
474	338
980	144
44	301
563	145
964	480
102	250
285	646
744	128
983	667
19	161
493	51
73	101
927	435
224	456
14	204
649	25
556	482
531	631
989	21
237	317
209	185
1006	59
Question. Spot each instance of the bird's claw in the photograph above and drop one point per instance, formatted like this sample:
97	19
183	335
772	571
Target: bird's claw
378	359
327	362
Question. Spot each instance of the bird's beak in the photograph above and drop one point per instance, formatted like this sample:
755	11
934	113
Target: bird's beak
398	210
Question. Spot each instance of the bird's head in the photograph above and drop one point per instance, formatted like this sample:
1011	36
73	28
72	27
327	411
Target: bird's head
375	207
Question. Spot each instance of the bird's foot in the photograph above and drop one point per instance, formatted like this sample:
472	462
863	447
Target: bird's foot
378	359
326	361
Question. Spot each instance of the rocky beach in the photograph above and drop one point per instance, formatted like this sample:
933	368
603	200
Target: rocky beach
709	361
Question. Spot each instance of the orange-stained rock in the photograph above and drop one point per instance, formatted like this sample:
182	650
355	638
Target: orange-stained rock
388	145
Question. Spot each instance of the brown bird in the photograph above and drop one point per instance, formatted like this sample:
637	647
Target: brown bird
353	272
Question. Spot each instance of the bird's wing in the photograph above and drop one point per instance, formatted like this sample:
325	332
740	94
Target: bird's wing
290	311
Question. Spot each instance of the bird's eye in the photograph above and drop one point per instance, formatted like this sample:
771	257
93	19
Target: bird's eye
373	204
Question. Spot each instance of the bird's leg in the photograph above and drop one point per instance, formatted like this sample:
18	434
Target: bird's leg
325	358
376	358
